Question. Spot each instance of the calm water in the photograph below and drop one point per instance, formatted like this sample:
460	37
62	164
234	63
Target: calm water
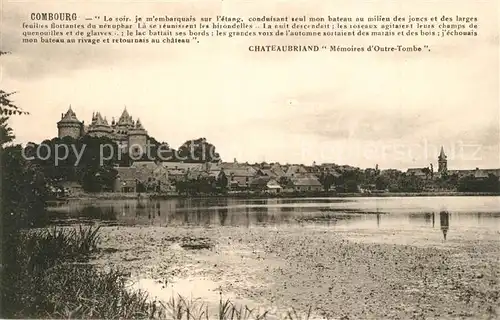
445	213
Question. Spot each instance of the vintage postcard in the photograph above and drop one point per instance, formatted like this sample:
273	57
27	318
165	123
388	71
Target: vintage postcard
223	159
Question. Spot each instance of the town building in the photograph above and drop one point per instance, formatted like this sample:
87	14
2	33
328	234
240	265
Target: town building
126	179
265	184
427	172
305	184
476	173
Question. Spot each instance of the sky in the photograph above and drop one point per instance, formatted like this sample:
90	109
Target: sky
363	109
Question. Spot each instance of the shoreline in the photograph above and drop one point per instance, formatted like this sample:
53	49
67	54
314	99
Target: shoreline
152	196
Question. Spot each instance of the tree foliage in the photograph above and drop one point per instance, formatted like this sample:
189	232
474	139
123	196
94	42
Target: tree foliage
348	181
6	132
472	184
327	180
22	185
197	151
89	161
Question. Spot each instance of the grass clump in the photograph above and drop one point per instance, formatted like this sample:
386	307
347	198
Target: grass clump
181	308
47	275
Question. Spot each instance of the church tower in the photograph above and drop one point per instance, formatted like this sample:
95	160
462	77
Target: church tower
442	162
69	125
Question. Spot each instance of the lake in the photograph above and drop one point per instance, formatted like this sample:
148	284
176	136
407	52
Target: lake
447	214
394	258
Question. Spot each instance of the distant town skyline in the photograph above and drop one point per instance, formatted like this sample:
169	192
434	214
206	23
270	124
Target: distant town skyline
394	110
376	151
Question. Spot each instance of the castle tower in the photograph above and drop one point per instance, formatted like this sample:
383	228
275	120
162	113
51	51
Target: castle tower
99	127
442	162
69	125
137	140
122	126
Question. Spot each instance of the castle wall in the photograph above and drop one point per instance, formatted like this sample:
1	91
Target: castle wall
73	131
99	134
137	143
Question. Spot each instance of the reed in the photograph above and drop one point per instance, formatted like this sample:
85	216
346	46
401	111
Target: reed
49	276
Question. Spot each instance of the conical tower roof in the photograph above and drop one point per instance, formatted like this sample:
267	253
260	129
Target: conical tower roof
138	124
69	117
138	129
99	121
99	124
125	118
442	155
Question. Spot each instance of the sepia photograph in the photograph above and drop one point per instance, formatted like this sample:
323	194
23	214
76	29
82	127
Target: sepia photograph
221	159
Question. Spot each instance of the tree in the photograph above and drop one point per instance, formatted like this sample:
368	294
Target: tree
221	182
7	107
427	172
197	151
327	180
22	186
348	181
473	184
6	133
390	180
382	183
90	161
22	203
410	183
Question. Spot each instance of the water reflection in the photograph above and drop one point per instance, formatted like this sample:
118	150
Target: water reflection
222	212
444	218
247	216
99	213
360	213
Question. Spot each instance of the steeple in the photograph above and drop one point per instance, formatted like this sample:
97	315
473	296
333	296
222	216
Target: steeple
442	162
442	155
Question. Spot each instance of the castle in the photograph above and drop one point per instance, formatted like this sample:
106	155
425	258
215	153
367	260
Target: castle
125	132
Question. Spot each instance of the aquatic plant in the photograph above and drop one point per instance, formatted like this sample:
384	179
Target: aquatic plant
50	277
180	308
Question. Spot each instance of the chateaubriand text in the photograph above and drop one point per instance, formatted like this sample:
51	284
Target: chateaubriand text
281	48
